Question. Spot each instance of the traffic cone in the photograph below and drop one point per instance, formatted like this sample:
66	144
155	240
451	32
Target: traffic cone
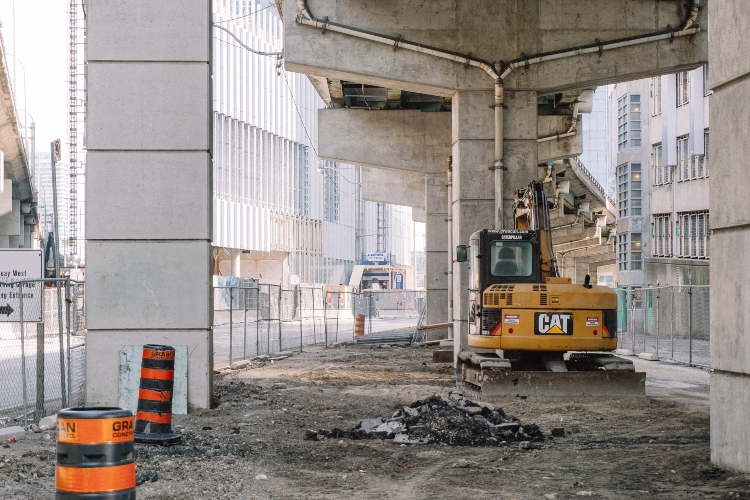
153	418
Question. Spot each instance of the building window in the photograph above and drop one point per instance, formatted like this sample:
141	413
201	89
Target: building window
706	90
693	235
622	252
635	120
629	189
622	190
683	88
636	252
629	122
661	233
662	174
683	159
622	123
656	96
332	190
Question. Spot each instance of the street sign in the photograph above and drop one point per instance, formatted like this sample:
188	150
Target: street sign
19	265
57	150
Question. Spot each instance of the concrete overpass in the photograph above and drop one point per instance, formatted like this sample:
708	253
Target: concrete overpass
493	60
18	218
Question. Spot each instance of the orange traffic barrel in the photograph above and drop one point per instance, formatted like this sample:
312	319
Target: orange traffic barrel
359	325
153	418
95	457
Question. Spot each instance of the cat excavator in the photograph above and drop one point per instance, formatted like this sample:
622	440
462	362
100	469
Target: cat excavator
530	331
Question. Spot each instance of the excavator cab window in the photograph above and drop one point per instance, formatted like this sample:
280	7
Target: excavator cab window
511	258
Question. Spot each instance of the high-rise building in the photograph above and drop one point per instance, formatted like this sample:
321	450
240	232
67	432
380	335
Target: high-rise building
662	171
281	214
43	184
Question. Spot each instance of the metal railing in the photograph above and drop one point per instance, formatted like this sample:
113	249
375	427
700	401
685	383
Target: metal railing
672	322
42	349
260	319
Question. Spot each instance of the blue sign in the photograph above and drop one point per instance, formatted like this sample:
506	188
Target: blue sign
376	259
399	279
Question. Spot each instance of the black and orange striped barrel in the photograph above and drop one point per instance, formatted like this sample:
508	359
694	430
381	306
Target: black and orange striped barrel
153	418
95	454
359	325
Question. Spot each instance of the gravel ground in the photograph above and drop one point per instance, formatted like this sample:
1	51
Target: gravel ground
252	444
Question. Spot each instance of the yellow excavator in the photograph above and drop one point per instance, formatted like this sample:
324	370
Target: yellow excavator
530	331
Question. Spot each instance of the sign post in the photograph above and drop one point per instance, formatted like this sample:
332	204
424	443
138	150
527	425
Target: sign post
20	265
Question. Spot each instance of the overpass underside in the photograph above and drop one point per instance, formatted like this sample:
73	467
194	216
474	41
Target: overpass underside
495	62
493	66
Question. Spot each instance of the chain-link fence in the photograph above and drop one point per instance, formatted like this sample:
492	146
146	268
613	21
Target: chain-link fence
672	322
42	348
253	319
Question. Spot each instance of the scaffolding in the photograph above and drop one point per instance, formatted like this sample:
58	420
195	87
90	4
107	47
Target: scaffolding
76	110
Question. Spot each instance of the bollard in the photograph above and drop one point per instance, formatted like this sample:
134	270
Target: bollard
153	419
95	457
359	325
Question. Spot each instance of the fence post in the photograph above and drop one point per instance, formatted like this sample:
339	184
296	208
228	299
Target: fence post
657	322
370	305
67	335
325	315
63	393
300	309
671	325
257	321
632	314
40	368
278	310
644	311
315	337
690	324
268	323
231	306
23	357
244	323
338	313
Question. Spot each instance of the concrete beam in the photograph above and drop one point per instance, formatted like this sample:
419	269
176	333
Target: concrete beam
405	139
393	187
491	31
418	215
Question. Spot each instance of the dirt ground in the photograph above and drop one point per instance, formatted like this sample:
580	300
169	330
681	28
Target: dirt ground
252	444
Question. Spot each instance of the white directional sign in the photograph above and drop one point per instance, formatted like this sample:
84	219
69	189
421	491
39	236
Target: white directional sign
20	265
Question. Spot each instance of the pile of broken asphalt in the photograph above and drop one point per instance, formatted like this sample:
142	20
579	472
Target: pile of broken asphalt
454	422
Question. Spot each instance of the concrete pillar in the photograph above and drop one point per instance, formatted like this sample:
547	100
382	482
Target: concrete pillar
520	148
236	258
436	252
730	238
473	189
473	182
148	188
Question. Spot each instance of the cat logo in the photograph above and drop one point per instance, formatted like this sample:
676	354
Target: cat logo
553	323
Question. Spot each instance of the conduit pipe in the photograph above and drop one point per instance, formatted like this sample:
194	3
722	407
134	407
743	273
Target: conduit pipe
571	130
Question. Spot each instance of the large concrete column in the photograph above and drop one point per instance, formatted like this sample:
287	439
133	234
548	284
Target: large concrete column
520	147
236	259
473	182
148	188
436	252
473	194
729	77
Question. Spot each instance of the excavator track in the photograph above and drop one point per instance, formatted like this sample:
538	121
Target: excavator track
489	377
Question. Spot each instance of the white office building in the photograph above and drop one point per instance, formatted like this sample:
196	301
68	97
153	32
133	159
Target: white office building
662	172
280	213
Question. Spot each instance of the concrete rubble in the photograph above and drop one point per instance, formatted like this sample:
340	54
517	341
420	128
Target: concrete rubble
456	421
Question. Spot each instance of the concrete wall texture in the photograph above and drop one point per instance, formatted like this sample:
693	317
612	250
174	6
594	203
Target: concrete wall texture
149	118
729	78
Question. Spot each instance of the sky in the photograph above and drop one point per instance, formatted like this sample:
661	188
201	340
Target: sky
42	48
